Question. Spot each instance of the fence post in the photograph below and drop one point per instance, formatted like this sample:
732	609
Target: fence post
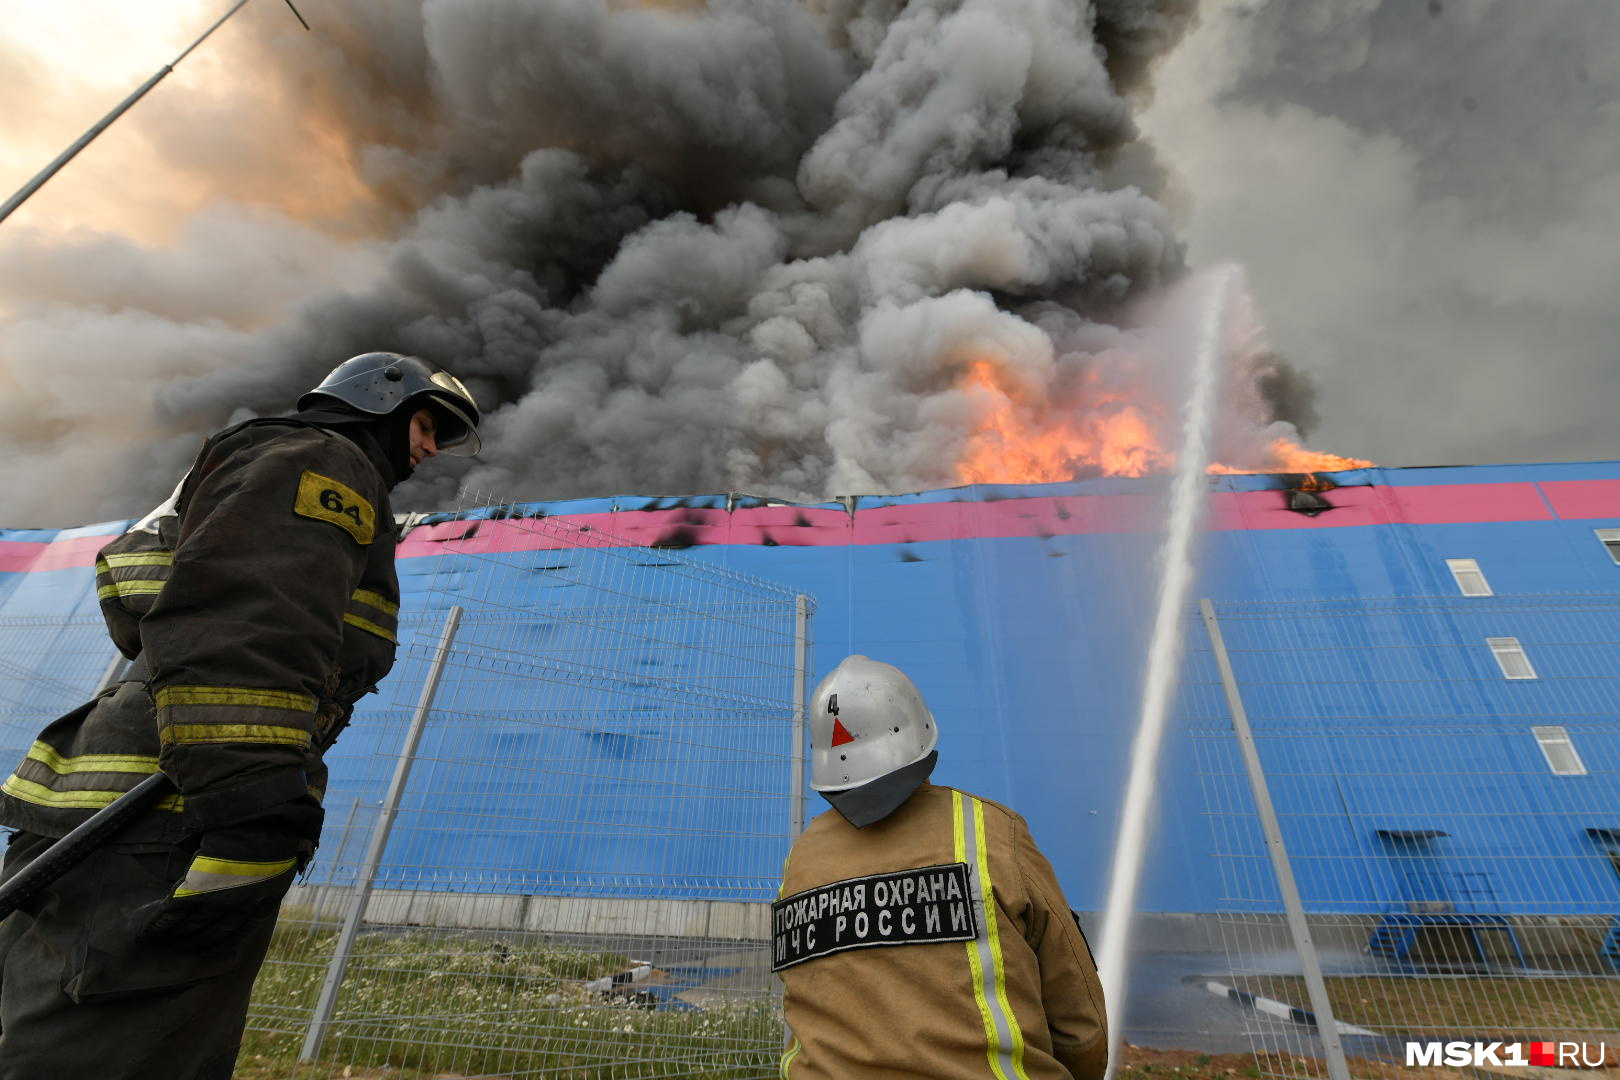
801	648
330	892
327	1003
1326	1029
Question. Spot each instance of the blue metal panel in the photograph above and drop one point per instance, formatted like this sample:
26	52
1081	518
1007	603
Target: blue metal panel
1029	651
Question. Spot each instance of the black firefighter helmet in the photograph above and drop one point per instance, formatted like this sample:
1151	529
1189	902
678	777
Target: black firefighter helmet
380	383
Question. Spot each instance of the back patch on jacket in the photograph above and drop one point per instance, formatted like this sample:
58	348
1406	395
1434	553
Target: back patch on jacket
907	907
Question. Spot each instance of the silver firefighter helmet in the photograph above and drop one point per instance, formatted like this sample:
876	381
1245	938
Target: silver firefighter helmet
872	739
381	382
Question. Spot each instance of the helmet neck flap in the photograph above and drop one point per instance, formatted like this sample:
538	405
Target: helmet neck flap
871	803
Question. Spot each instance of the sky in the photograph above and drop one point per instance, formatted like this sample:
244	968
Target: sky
1417	191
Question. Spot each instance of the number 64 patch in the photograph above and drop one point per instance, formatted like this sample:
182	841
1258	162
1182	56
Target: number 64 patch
325	499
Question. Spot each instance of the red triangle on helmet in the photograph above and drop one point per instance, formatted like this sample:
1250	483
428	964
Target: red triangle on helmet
841	733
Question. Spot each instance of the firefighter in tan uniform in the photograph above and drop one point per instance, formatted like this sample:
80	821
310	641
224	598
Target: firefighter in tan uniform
919	931
257	607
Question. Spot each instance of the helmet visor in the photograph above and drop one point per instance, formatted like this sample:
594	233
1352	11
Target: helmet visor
454	431
458	416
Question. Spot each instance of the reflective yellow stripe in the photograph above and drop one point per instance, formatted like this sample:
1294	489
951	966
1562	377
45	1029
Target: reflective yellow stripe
992	1014
133	587
205	871
376	600
230	695
40	795
989	895
973	948
141	558
112	586
47	756
241	867
370	627
189	734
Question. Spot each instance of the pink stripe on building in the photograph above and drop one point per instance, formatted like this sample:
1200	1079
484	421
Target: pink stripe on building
1043	516
1444	504
21	556
1576	499
918	522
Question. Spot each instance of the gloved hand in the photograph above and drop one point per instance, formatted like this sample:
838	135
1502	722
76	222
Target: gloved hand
236	879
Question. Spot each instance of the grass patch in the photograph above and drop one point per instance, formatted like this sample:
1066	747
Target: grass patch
426	1004
437	1005
1483	1007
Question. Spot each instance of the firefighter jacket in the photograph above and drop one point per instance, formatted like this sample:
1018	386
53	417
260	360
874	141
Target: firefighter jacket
258	611
935	943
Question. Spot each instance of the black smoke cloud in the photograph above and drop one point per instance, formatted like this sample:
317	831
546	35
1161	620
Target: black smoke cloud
1423	194
745	247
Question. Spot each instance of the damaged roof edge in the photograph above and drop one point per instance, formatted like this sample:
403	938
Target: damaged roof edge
1440	475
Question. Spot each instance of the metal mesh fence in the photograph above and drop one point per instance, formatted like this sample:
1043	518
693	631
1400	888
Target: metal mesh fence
550	851
1449	816
48	666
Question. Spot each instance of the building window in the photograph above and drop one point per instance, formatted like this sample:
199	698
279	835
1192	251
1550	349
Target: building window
1470	579
1611	542
1559	751
1609	841
1510	656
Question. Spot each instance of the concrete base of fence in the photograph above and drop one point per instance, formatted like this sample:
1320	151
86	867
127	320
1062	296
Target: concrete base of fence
605	916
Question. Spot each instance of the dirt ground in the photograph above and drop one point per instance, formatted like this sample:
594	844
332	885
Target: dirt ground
1140	1062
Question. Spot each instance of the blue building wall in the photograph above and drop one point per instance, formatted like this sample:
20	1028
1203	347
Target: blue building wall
1028	640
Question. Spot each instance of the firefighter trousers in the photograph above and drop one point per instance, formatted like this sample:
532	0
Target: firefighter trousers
81	995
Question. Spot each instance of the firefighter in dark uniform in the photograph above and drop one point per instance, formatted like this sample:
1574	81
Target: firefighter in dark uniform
919	931
257	606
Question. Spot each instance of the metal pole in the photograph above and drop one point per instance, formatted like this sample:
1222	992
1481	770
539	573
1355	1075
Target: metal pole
106	121
348	833
801	649
329	891
1326	1029
327	1003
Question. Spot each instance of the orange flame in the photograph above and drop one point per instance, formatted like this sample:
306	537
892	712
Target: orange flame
1113	436
1018	445
1288	456
1312	482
